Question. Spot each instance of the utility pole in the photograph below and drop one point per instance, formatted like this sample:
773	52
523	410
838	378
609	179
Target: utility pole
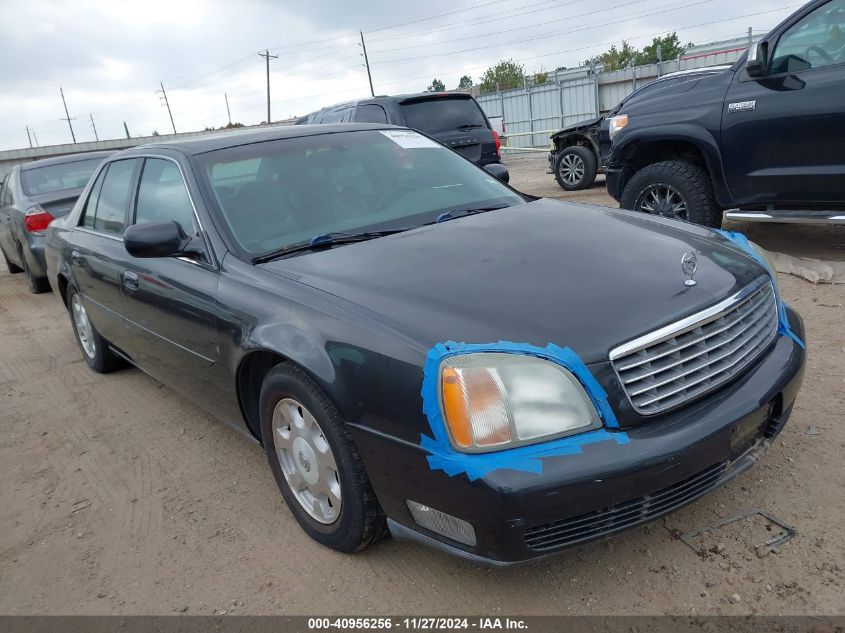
167	103
367	64
126	129
35	137
67	116
91	116
228	112
29	137
750	37
267	57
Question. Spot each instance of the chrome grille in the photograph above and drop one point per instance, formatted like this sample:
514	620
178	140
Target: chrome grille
673	365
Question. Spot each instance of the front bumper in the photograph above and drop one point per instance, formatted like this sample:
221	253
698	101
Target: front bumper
668	463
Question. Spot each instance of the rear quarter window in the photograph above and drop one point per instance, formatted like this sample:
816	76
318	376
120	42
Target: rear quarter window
443	114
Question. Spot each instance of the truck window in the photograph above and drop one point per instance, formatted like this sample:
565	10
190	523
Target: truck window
370	113
815	41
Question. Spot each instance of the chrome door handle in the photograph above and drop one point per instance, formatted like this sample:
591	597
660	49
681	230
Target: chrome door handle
130	280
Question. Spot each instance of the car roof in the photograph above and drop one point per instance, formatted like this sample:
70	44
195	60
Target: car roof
223	140
67	158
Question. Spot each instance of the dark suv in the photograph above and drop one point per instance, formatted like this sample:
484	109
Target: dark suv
452	118
765	138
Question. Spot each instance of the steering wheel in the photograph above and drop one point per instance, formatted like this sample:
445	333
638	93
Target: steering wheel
392	195
818	50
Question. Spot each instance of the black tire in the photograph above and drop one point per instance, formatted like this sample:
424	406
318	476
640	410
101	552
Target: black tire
360	521
576	154
102	360
689	181
13	268
37	285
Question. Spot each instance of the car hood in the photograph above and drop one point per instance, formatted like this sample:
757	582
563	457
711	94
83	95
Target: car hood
545	272
578	126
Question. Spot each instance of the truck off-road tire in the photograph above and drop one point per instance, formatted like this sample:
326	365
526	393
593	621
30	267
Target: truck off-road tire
575	167
674	189
315	462
13	268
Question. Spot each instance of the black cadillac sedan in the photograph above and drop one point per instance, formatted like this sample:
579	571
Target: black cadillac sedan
421	349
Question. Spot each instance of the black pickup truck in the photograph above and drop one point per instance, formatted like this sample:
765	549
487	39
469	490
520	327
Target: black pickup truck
764	139
581	150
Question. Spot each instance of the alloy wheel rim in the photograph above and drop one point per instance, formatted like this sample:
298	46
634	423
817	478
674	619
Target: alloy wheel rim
571	169
307	461
664	200
84	330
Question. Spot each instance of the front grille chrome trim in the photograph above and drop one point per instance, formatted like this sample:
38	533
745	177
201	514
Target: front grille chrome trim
687	323
680	362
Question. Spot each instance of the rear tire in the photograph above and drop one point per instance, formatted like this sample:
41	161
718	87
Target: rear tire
316	464
675	189
575	167
37	285
13	268
95	349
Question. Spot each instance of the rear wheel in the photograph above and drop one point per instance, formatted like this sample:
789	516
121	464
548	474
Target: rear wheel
315	462
13	268
575	167
95	349
674	189
37	285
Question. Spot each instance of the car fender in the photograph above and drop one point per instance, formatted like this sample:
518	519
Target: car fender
630	141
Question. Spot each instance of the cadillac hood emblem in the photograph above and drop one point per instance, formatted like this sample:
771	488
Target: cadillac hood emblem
689	264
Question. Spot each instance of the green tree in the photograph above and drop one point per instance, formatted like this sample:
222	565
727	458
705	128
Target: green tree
465	82
541	77
436	86
670	48
615	58
505	75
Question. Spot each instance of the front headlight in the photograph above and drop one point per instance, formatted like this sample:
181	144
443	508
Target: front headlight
616	124
492	401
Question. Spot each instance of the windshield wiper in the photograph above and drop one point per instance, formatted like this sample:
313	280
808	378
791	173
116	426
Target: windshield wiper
323	240
457	213
466	126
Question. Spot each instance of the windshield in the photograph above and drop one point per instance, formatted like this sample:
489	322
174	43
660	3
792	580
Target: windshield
284	192
443	114
59	177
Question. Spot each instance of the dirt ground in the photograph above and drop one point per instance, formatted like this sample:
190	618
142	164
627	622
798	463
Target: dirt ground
119	497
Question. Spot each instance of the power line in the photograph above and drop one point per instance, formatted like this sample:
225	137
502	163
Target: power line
530	26
542	37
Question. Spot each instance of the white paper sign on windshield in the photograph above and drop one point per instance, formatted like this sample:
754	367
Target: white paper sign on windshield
410	139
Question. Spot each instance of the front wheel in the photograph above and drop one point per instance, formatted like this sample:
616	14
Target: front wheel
575	167
674	189
315	462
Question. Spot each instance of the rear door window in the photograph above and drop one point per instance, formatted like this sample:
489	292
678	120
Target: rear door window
370	113
443	114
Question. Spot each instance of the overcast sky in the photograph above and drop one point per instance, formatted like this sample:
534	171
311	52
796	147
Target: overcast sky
109	55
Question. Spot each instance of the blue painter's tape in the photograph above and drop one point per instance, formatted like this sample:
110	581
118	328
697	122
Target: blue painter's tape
783	320
524	458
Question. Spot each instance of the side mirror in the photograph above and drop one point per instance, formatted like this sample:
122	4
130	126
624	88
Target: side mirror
155	239
499	171
756	63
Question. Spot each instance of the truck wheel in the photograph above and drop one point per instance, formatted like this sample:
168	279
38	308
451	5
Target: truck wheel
575	167
316	464
674	189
